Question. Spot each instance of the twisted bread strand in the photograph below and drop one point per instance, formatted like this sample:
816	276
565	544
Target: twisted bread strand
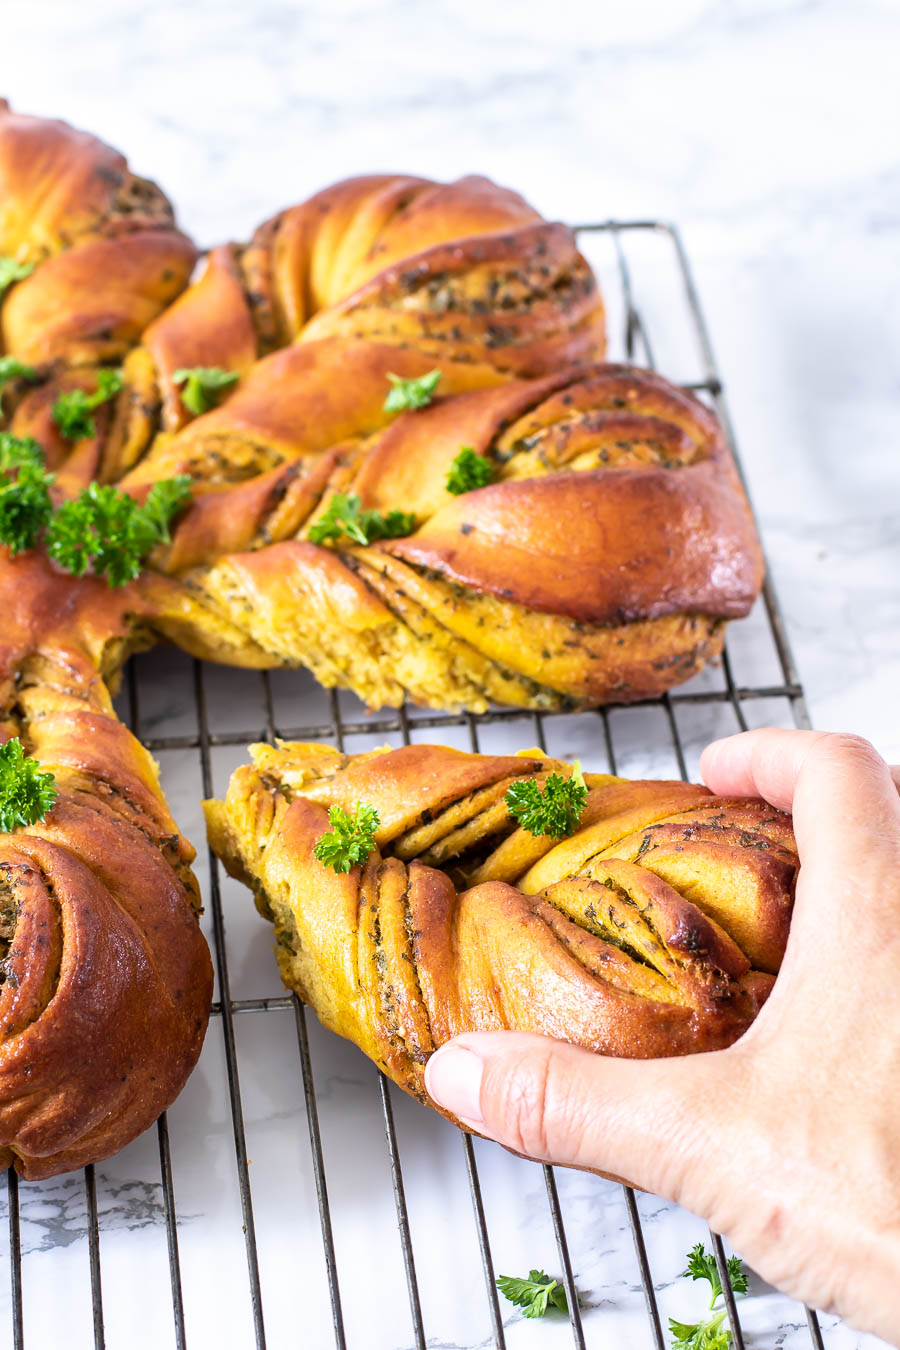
600	564
655	929
105	978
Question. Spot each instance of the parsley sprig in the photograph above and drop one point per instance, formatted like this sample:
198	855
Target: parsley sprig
468	471
203	386
556	810
102	528
701	1265
110	532
351	838
25	507
27	792
345	516
709	1333
11	368
409	395
12	270
536	1295
72	411
18	450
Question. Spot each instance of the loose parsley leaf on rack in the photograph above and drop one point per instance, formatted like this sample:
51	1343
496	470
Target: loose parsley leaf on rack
11	368
27	792
72	410
556	810
701	1265
708	1334
468	471
536	1295
11	270
345	516
110	532
25	505
351	838
408	395
203	386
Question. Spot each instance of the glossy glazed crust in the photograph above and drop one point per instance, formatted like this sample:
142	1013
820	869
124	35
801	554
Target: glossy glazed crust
599	565
655	929
108	256
59	184
659	527
107	979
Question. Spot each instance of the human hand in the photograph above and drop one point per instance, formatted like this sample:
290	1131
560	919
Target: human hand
788	1142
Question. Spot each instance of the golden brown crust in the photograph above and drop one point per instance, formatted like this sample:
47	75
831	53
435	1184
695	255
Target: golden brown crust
209	325
312	256
106	978
607	546
599	566
61	314
59	184
612	950
525	302
108	1040
302	400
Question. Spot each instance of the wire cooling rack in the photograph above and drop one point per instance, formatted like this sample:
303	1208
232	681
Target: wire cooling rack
293	1197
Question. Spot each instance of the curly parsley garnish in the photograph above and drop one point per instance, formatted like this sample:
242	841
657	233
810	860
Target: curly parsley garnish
18	450
536	1295
103	528
27	792
203	386
110	532
708	1334
468	471
11	270
72	411
11	368
408	395
555	811
701	1265
351	839
345	516
25	505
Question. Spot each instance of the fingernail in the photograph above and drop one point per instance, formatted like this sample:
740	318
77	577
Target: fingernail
453	1078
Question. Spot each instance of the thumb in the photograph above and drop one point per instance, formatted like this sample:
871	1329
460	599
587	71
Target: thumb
662	1125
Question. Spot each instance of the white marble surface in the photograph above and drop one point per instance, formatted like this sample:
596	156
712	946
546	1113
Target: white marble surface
768	131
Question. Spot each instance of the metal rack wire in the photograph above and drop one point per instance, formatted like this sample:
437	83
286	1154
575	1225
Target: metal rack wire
729	695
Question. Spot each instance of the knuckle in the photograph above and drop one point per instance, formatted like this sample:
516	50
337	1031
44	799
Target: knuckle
846	745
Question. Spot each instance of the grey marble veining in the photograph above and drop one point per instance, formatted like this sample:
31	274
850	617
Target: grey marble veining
767	129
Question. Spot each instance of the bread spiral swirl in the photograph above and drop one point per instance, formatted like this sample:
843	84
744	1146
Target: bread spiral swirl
105	978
